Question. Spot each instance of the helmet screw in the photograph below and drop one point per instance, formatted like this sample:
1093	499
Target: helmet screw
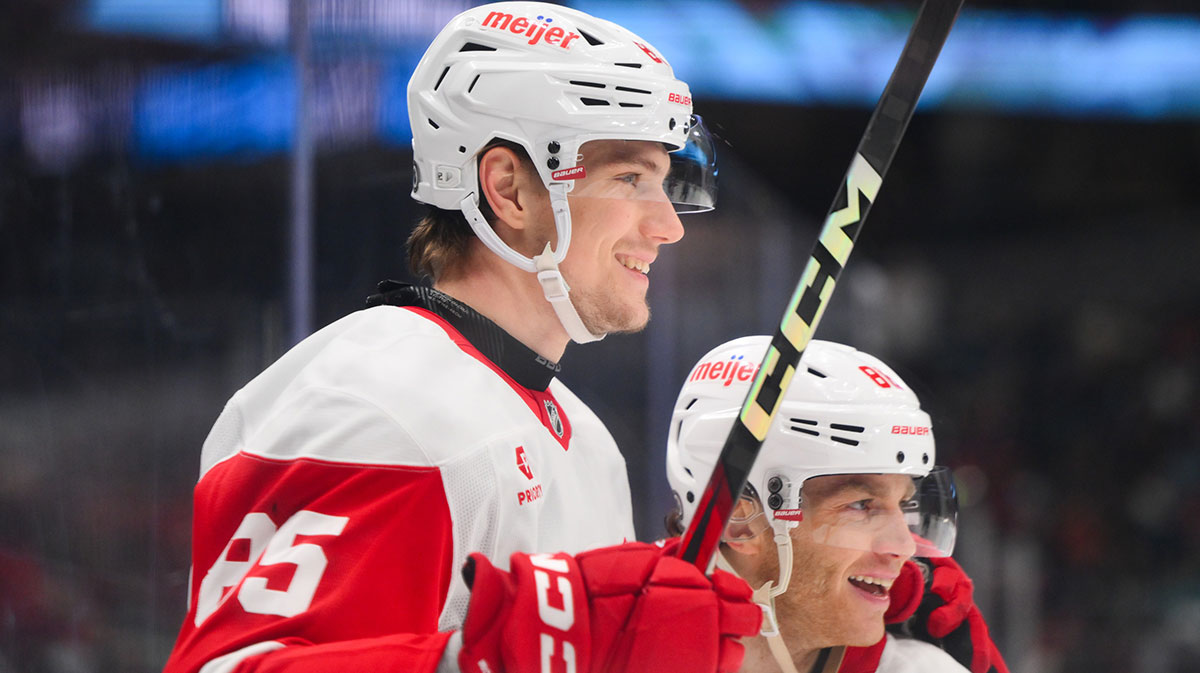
691	496
899	456
775	501
774	484
925	458
552	163
553	147
671	124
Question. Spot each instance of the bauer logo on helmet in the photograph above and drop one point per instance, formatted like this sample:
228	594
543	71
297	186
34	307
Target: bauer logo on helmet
575	173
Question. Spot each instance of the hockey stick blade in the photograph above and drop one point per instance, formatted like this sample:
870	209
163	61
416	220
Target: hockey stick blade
842	225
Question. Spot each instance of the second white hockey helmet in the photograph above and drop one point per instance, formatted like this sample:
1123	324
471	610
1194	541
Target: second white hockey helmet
845	412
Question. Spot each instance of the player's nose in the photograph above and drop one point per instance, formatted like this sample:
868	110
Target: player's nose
661	222
893	537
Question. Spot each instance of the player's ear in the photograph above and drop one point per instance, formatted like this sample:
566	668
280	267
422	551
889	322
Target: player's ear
509	186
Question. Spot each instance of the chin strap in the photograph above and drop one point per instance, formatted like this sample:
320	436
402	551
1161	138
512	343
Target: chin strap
557	292
765	595
545	265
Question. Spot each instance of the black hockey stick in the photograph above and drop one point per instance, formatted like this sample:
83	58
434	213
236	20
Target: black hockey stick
842	225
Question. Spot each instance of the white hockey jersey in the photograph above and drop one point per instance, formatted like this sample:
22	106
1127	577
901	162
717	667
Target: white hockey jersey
341	490
907	655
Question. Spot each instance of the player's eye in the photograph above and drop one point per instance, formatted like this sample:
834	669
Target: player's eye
860	505
630	179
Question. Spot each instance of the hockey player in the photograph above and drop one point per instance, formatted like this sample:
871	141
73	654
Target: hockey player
411	488
842	494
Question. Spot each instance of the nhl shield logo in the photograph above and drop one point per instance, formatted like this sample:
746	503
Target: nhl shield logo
555	420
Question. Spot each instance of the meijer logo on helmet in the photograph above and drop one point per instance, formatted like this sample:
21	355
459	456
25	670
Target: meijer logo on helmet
726	370
535	30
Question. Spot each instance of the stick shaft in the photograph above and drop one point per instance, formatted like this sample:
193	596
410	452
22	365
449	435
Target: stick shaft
853	201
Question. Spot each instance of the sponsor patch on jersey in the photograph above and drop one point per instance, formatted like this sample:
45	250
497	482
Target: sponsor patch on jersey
556	423
529	495
523	463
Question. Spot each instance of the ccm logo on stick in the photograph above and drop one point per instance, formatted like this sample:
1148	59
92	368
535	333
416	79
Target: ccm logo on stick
559	614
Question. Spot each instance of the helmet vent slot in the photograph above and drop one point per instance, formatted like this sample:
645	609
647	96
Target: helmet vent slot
633	90
805	421
629	65
475	46
631	105
593	101
440	78
433	123
596	85
473	83
847	428
691	402
806	431
844	440
817	373
592	39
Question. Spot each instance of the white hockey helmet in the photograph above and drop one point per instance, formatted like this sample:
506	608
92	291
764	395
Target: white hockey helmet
845	412
548	78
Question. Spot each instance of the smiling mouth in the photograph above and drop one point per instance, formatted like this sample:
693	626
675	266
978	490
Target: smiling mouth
875	586
635	264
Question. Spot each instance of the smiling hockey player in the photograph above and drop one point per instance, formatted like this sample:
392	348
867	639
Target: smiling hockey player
411	488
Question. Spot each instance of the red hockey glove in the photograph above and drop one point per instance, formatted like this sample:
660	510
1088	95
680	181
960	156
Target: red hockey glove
935	597
949	618
632	608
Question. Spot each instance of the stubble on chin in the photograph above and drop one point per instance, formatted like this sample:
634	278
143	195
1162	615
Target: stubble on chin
603	313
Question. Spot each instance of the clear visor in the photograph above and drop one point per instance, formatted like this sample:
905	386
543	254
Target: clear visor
643	170
874	513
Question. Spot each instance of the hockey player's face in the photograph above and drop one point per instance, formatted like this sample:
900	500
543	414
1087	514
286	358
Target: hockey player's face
620	217
838	595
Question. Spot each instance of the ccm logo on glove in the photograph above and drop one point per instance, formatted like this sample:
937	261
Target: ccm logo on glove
631	608
561	617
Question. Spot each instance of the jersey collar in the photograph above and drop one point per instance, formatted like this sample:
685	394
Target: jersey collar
515	358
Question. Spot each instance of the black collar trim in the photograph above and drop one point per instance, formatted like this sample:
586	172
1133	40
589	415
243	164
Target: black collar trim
516	359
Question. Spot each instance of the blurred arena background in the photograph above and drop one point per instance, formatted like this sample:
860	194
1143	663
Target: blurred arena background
189	187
